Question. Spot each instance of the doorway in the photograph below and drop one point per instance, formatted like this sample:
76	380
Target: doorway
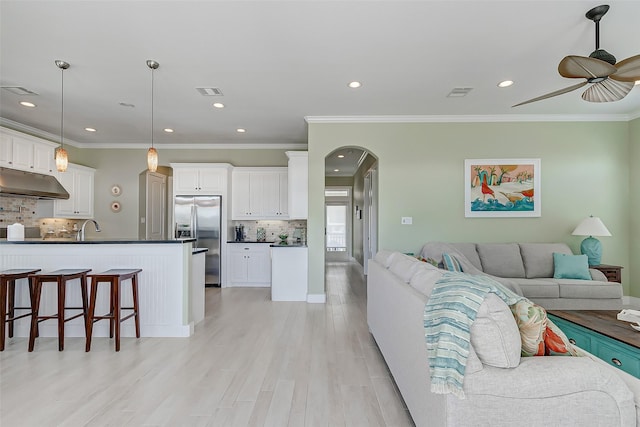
338	241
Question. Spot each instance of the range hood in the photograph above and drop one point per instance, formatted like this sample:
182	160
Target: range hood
15	182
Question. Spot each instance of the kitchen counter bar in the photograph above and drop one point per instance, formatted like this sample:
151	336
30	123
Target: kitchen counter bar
165	294
123	241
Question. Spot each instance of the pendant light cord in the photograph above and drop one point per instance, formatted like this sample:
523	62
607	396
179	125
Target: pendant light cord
62	111
152	70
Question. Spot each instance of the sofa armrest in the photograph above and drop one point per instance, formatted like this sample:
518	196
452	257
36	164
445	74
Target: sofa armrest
597	275
558	390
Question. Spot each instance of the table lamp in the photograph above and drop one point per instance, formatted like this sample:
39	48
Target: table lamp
591	247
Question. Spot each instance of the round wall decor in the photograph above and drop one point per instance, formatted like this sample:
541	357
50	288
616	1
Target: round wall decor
116	190
115	206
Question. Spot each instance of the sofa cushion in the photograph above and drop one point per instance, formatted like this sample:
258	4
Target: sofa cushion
540	336
451	263
570	266
425	278
494	334
539	288
404	266
571	288
501	259
470	253
384	257
538	258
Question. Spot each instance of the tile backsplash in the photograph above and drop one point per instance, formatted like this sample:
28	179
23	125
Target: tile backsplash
272	228
18	209
23	210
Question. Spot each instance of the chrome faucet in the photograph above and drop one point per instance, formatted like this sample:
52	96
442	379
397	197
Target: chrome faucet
80	234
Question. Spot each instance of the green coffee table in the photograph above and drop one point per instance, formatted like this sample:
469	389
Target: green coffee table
600	333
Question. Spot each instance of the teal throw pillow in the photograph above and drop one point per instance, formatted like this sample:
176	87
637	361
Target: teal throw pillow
571	266
451	263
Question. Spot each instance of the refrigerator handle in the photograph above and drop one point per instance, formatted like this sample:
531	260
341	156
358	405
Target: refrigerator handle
194	221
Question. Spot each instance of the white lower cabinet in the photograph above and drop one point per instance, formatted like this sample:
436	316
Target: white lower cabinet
248	264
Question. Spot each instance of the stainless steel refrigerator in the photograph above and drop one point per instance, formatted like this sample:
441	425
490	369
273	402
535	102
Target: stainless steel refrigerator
199	217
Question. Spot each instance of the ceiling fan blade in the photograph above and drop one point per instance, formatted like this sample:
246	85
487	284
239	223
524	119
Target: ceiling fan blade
607	91
628	70
574	67
552	94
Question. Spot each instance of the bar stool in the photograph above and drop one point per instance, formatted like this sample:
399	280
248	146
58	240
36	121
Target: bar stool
59	277
114	278
8	291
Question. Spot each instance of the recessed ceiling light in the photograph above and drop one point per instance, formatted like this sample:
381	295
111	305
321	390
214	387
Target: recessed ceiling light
336	170
341	156
218	104
27	104
505	83
240	130
355	85
90	129
168	130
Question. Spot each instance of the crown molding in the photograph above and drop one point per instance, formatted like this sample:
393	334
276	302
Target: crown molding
474	118
10	124
634	116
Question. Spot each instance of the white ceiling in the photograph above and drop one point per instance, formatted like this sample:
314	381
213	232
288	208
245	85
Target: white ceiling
279	62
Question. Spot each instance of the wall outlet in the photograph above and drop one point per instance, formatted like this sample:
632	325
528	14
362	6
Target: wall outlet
406	220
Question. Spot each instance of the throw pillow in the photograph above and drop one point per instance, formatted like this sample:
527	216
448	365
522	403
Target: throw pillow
429	261
451	263
539	335
570	266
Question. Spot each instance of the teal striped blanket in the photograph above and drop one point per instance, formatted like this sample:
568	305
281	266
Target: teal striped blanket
448	315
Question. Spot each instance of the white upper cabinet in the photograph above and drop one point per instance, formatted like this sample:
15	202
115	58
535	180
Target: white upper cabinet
298	184
259	193
78	181
205	179
25	152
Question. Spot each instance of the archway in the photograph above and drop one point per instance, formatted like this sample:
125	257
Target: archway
351	209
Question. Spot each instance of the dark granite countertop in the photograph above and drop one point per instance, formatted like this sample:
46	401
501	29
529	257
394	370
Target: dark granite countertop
93	241
248	241
199	250
289	245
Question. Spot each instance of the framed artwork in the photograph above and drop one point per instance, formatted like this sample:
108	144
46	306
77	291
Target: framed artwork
498	188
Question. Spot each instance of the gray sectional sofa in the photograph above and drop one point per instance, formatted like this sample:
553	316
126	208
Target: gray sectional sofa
501	388
528	268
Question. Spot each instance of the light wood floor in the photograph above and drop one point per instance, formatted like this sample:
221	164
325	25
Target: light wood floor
251	362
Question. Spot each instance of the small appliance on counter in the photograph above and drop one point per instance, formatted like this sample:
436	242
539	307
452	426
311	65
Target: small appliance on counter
15	231
239	232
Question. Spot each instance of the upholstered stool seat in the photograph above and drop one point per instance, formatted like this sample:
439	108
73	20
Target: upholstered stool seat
60	278
114	278
8	296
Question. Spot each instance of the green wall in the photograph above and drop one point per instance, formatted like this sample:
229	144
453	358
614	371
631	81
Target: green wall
585	170
634	197
122	166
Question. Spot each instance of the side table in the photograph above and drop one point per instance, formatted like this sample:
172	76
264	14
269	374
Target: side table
612	272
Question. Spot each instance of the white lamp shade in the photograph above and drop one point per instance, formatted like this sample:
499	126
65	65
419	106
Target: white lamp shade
591	226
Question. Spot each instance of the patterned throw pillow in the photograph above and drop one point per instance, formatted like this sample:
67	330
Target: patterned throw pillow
539	335
429	261
451	263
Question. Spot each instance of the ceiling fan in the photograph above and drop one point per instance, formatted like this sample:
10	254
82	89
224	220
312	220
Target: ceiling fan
610	81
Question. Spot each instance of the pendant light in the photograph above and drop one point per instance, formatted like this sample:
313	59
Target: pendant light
62	160
152	154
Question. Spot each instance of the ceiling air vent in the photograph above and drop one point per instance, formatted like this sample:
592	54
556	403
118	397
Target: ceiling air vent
209	91
458	92
19	90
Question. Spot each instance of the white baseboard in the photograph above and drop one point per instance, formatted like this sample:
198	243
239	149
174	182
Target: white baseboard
316	298
631	301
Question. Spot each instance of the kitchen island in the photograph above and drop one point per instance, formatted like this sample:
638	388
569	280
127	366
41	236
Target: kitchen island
167	294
